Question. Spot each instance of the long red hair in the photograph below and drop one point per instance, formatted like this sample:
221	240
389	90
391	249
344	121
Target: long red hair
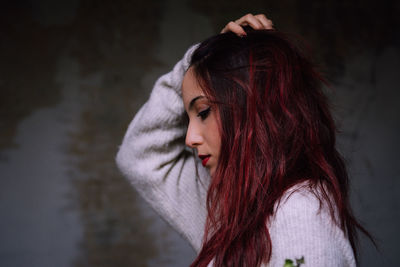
276	131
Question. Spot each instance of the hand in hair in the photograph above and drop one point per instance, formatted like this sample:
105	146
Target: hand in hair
257	22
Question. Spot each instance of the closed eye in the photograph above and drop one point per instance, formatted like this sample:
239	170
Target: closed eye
204	113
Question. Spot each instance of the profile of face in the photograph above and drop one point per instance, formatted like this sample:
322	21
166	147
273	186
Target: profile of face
203	133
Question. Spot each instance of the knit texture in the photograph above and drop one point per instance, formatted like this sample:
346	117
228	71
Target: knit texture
171	179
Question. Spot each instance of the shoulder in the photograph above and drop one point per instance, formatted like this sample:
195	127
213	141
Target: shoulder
302	226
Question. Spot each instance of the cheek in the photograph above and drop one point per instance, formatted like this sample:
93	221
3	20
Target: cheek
214	136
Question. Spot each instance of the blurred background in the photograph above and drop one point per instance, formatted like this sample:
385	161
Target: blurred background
73	73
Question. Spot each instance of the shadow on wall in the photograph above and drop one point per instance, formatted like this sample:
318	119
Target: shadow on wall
113	52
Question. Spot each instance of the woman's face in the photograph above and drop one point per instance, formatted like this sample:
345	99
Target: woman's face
203	129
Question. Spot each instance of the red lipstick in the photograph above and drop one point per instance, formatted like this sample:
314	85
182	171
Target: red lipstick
204	159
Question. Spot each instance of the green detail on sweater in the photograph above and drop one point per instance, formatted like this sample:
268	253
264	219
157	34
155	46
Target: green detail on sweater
289	263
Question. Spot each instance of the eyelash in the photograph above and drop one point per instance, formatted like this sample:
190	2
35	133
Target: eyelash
204	114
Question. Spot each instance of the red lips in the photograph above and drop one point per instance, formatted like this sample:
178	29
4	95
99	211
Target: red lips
204	159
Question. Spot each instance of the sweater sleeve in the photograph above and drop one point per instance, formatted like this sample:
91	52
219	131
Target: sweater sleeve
300	228
155	160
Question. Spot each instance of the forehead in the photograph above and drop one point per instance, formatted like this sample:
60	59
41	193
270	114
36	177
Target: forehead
190	88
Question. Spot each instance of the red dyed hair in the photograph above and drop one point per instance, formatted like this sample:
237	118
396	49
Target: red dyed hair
276	131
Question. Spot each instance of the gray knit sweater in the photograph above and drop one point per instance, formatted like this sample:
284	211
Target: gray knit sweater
154	158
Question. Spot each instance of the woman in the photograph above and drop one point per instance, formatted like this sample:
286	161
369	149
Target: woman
250	107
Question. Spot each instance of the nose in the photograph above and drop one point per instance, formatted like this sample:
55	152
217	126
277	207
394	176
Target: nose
193	136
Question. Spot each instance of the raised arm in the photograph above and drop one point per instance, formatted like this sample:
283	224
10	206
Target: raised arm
154	158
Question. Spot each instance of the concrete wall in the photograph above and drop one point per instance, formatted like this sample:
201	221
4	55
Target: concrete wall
73	74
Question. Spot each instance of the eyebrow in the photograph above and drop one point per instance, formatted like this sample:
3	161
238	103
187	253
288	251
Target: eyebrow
194	100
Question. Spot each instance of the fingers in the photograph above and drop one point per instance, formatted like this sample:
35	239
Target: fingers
251	20
235	28
257	22
267	23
